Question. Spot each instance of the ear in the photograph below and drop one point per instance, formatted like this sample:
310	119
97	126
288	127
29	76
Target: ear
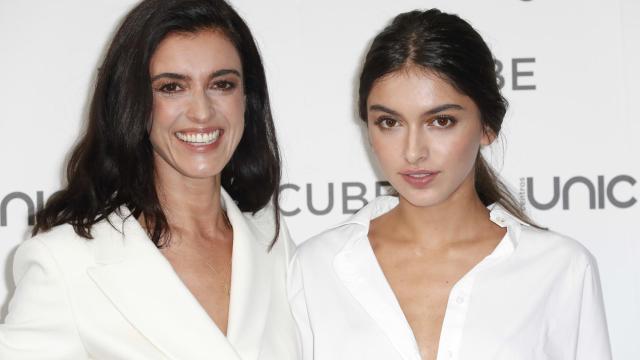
488	136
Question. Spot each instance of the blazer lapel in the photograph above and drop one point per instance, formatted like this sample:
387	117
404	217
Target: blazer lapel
251	277
141	283
359	271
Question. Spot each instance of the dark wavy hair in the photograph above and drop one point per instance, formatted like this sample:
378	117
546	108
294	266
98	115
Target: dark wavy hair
112	165
453	49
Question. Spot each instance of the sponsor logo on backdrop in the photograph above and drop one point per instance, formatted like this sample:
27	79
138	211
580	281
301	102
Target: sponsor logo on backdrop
20	201
600	192
318	199
321	199
519	76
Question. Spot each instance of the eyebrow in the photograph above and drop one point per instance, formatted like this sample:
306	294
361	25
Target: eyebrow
433	111
214	74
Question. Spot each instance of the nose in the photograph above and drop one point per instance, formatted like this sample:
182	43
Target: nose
200	107
416	149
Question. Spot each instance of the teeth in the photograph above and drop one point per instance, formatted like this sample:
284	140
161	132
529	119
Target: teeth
199	138
419	175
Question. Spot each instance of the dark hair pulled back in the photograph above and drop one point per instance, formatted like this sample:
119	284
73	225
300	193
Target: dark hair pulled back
450	47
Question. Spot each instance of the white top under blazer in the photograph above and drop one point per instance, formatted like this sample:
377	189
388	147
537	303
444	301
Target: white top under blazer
116	297
537	296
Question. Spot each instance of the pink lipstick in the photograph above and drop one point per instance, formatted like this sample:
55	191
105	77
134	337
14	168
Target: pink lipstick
419	178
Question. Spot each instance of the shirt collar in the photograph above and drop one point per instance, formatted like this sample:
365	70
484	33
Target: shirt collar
377	207
498	214
503	218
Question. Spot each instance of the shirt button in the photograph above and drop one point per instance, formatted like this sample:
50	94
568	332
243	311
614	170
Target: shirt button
450	354
460	300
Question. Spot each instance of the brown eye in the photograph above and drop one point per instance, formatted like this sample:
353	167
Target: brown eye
170	88
224	85
443	122
390	122
387	123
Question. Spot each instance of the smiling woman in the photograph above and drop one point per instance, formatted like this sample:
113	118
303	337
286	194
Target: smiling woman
167	240
198	111
451	267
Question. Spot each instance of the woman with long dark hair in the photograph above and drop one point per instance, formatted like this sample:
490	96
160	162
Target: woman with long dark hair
450	267
166	242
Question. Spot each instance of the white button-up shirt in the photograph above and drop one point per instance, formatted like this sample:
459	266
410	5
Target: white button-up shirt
536	296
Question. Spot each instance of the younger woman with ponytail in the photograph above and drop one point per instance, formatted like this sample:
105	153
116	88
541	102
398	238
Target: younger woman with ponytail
450	268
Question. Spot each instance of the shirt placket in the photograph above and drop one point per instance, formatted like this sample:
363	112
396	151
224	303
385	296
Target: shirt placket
454	318
458	304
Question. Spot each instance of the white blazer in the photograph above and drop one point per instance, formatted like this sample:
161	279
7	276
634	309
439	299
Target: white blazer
535	297
117	297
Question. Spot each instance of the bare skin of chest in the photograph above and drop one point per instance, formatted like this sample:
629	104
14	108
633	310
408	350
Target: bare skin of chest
422	279
206	272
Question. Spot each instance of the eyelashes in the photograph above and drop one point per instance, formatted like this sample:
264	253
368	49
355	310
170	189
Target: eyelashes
225	85
386	122
443	121
169	88
438	122
176	87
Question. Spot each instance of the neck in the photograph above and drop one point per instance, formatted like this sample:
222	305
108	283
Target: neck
192	206
461	217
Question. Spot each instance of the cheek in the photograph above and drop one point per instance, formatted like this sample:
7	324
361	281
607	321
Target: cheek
234	110
237	109
461	150
387	149
164	112
374	141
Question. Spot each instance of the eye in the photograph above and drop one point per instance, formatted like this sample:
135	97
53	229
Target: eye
387	123
224	85
169	88
442	122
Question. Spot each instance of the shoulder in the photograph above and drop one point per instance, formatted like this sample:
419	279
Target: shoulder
316	255
555	247
328	243
336	237
263	221
59	239
331	240
544	247
48	250
67	248
262	227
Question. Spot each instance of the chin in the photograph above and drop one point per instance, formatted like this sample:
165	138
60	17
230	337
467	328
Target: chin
421	197
201	173
422	201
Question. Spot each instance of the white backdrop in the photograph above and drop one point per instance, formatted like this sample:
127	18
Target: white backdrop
570	149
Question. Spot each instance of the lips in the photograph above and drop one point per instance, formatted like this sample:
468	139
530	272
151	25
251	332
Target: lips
200	140
419	178
199	137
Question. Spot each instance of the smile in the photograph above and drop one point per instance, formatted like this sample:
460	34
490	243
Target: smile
199	138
